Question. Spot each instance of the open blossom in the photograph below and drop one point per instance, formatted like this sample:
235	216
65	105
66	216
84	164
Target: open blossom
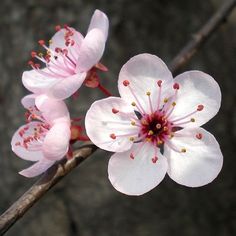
68	59
45	137
154	127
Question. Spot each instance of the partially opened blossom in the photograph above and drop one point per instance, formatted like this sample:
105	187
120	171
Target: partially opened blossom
154	127
68	59
44	139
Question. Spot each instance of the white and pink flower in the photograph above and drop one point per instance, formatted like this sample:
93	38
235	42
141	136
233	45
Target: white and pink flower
154	127
45	138
68	58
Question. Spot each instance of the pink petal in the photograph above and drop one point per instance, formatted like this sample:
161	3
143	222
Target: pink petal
197	88
139	175
143	71
66	87
52	110
58	41
56	142
21	151
101	122
37	83
28	101
37	169
100	21
202	161
91	50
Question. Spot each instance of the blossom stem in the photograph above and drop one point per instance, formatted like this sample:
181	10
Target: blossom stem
104	90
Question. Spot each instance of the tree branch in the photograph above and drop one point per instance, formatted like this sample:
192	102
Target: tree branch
201	36
64	167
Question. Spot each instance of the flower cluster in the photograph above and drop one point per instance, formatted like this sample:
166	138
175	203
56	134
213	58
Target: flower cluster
153	127
68	62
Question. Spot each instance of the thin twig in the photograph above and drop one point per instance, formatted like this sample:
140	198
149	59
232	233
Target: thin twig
60	170
201	36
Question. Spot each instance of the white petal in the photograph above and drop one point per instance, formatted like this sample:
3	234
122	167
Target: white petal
37	83
100	21
52	110
100	123
56	142
143	71
139	175
200	164
197	88
21	151
66	87
37	169
91	50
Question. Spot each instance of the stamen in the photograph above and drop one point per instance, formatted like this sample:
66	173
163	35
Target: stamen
154	159
112	136
176	86
159	82
199	136
149	100
115	111
200	107
126	83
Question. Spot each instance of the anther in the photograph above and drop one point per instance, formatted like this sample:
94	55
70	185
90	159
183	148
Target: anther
131	139
199	136
171	135
150	132
154	159
57	27
131	155
133	123
176	86
144	122
40	54
192	120
33	54
114	110
41	42
159	142
158	126
165	100
173	104
148	139
148	93
183	150
159	82
165	128
125	83
113	136
50	42
133	104
200	107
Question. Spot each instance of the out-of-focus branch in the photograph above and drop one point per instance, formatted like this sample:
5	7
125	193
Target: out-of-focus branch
201	36
60	170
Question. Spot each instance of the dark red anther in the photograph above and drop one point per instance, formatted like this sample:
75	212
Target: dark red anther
31	63
131	155
154	159
176	86
114	110
200	107
57	27
41	42
113	136
126	83
58	50
33	54
199	136
159	82
37	66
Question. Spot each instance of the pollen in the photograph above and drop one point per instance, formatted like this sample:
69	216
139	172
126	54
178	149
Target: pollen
131	139
133	104
148	93
173	104
112	136
165	100
133	123
183	150
192	120
150	132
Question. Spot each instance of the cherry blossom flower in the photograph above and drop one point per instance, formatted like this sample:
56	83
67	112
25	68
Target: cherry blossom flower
68	58
45	137
154	127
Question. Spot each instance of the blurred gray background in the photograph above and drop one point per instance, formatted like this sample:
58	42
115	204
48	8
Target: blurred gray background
85	203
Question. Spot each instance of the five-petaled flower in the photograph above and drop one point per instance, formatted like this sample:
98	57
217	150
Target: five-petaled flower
154	127
69	58
45	138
